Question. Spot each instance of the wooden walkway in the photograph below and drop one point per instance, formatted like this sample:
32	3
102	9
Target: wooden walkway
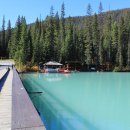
24	114
6	103
16	109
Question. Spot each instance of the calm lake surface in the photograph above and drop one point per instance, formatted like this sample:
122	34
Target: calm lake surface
81	101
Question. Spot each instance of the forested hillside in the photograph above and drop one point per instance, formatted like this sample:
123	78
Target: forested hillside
92	39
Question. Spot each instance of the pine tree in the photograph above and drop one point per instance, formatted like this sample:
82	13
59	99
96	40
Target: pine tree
62	34
14	43
108	40
100	18
18	30
37	49
35	29
36	42
23	44
114	41
70	48
81	47
35	37
89	41
89	10
96	38
119	57
125	38
52	39
49	37
100	8
8	37
4	46
57	37
100	52
101	37
42	47
75	43
30	45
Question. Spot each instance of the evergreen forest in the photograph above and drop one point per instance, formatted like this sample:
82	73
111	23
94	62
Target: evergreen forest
99	39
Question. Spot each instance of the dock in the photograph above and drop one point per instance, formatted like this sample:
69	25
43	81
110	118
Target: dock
5	102
17	111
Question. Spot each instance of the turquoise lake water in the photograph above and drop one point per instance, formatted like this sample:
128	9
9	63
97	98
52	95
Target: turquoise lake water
81	101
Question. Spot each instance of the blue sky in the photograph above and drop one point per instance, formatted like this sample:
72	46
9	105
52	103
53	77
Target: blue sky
32	9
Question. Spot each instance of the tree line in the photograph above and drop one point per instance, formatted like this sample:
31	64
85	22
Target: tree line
98	39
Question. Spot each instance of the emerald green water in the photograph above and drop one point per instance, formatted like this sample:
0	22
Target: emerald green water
81	101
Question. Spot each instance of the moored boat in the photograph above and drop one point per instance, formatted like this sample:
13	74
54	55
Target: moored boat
67	71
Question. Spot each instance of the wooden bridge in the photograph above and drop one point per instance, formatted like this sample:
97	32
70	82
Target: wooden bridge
16	109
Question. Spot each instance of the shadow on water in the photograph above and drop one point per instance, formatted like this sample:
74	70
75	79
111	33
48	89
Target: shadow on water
44	106
2	81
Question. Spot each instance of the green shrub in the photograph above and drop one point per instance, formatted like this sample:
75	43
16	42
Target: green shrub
117	69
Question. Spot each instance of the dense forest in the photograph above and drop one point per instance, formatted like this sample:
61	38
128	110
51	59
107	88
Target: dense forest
99	39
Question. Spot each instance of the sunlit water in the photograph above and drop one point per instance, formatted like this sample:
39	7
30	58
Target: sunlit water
81	101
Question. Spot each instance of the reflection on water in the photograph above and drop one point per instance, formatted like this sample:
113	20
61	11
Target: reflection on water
51	78
81	101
